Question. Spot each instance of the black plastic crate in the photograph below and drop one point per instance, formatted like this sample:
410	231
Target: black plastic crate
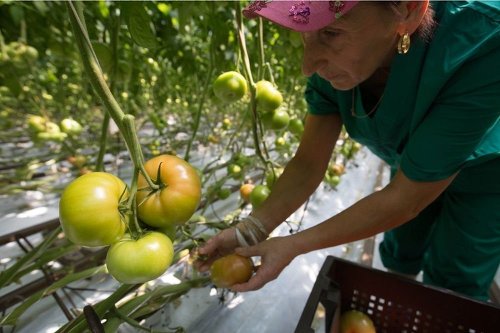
394	303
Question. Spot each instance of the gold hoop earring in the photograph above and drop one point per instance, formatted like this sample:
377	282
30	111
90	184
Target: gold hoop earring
404	43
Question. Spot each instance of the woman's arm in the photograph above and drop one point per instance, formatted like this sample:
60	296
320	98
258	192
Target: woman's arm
303	173
399	202
300	178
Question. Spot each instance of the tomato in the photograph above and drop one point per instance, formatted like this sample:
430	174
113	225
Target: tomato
89	209
296	126
259	195
245	191
137	261
336	169
36	123
230	270
267	96
276	119
230	86
71	126
235	171
178	196
353	321
226	123
78	160
223	193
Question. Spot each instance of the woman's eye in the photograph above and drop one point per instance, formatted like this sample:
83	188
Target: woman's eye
330	33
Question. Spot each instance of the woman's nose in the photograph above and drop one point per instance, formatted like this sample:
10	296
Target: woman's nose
313	60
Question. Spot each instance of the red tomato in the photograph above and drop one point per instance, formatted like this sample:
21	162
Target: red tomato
178	196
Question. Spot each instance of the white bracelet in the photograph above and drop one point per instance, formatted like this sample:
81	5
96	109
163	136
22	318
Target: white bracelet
250	231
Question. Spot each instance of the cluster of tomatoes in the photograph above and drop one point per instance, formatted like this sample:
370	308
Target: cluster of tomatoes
95	210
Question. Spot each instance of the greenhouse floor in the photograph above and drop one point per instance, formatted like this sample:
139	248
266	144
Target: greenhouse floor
273	309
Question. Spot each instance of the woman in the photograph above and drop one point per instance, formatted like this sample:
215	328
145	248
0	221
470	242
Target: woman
419	85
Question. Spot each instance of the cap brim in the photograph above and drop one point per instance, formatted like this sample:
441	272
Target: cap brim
301	16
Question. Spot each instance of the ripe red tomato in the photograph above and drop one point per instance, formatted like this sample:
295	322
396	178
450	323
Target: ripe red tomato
230	270
230	86
268	97
276	120
137	261
88	209
353	321
178	196
259	195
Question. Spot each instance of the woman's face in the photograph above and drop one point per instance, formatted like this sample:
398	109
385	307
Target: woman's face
350	50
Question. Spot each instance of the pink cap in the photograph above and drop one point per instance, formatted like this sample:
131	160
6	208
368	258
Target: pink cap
299	15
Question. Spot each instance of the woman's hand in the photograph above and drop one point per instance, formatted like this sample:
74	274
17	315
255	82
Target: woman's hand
220	245
276	253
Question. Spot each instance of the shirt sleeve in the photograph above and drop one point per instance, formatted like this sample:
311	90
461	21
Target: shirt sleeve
320	96
461	126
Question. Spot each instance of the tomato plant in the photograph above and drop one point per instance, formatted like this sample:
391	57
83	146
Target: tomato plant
178	196
137	261
259	195
230	270
354	321
268	97
230	86
89	209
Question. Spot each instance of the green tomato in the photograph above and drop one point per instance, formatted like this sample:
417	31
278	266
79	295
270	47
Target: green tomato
230	86
223	193
276	120
267	96
259	195
89	209
36	123
235	171
137	261
71	126
296	127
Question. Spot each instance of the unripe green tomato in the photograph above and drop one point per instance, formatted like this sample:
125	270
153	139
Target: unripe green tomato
137	261
267	96
230	86
296	126
223	193
36	123
259	195
71	126
276	120
89	209
235	171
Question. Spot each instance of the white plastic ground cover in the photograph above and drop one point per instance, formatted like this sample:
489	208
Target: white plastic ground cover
274	308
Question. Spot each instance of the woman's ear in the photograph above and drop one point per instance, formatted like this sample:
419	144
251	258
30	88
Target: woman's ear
412	13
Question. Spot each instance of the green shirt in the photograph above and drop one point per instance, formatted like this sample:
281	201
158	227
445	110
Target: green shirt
441	105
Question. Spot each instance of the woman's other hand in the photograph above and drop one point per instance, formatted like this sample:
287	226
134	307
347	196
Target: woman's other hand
220	245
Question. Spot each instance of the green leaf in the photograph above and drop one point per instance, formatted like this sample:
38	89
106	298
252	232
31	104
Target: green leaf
13	316
139	25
